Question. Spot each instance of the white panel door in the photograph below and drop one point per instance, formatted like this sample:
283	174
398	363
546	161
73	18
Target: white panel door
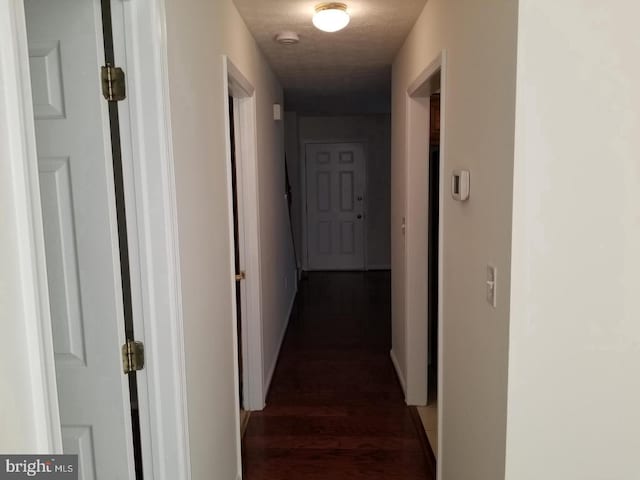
81	240
335	206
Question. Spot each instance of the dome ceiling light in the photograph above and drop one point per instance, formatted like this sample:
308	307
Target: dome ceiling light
331	17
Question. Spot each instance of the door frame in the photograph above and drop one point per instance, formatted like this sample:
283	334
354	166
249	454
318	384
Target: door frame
240	88
303	196
28	347
151	215
416	273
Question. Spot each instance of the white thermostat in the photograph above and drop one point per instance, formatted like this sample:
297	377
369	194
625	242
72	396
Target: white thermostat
460	185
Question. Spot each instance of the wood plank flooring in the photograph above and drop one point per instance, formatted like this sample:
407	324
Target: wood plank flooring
335	410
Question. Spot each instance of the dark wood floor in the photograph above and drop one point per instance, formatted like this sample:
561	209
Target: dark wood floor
335	410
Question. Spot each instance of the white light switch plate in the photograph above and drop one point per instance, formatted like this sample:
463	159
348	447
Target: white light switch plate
277	111
492	284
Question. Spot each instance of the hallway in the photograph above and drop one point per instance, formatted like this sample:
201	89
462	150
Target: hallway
335	409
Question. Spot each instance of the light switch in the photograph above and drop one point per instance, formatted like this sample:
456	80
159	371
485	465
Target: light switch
277	111
491	285
460	185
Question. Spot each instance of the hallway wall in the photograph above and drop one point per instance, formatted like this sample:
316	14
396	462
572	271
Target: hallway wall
199	33
375	130
478	119
574	368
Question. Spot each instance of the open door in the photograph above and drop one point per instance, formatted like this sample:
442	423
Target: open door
85	233
433	251
237	247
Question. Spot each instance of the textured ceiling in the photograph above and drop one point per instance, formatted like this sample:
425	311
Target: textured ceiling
354	60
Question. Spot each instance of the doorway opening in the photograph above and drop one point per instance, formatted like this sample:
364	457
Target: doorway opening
424	239
240	274
433	246
244	237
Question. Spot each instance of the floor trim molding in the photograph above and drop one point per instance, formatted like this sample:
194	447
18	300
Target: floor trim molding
272	369
245	415
430	457
396	365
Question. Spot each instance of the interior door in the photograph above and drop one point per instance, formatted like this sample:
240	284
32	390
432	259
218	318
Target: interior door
335	187
81	234
238	233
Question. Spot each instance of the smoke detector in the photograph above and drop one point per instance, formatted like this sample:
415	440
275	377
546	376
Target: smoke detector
287	38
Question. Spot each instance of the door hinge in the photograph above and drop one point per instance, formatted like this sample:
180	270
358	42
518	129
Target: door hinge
132	356
240	276
113	83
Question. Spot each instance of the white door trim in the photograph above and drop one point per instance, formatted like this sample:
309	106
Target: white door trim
151	200
26	352
417	181
243	93
303	194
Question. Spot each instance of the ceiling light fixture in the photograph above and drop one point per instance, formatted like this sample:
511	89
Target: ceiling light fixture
331	17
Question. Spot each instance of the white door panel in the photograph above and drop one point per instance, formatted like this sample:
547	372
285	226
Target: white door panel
80	227
335	206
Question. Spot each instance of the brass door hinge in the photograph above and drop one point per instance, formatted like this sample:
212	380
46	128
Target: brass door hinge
113	83
241	276
132	356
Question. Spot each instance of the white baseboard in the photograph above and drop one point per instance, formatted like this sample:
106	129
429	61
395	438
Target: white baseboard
396	365
272	368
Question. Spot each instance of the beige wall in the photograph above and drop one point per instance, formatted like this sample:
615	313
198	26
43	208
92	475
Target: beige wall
199	33
480	43
574	368
375	131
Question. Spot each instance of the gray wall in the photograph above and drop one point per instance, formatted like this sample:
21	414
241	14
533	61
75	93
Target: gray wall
375	130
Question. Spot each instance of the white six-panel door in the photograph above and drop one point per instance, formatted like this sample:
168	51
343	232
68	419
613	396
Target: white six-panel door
81	241
335	190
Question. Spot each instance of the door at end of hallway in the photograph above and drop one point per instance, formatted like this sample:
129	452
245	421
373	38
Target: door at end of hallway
335	206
